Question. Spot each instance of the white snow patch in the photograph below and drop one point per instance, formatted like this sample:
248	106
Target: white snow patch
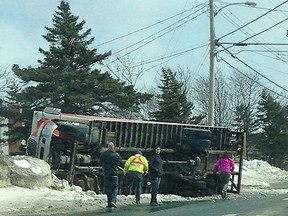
22	163
37	170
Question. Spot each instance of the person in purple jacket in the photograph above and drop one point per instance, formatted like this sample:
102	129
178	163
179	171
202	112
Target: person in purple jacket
224	167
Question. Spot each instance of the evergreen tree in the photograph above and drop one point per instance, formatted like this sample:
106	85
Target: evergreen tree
67	77
172	102
12	109
245	121
273	138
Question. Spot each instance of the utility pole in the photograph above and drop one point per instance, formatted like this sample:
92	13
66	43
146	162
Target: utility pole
212	14
211	68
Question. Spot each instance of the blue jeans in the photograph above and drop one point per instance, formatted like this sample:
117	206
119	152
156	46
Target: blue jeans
136	178
155	183
111	188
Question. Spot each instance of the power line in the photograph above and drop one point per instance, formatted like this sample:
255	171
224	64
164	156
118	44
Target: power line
162	31
254	44
253	20
265	87
264	51
266	30
260	52
264	66
173	36
204	57
245	44
282	58
276	84
173	54
169	56
261	8
149	26
153	39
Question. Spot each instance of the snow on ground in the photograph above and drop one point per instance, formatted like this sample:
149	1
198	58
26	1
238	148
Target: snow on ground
258	178
262	174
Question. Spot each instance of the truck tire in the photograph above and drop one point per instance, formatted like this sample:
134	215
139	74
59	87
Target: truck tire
198	133
205	143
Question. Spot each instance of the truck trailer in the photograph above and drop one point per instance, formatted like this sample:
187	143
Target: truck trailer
72	145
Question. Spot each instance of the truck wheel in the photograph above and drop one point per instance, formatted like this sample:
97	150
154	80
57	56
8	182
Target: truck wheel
205	143
198	133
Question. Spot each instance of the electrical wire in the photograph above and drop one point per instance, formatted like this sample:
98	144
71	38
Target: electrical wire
260	52
149	26
241	42
170	56
281	58
276	84
254	20
174	33
204	57
265	87
114	54
264	66
179	21
153	39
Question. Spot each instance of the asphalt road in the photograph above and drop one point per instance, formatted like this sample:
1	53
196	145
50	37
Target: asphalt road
276	205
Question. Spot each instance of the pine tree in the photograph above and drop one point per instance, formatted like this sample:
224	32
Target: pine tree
12	109
245	121
173	105
274	132
67	78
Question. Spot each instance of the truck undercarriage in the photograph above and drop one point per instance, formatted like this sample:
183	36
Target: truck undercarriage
72	145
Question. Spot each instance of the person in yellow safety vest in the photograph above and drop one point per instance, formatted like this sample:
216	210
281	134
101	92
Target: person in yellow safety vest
135	167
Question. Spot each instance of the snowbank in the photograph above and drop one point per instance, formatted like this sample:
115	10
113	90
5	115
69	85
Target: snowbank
262	174
264	168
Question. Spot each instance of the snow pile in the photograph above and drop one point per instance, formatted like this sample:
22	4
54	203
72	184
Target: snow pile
265	169
262	174
259	177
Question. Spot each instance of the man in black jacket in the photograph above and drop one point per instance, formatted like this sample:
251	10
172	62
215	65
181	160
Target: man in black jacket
156	172
110	160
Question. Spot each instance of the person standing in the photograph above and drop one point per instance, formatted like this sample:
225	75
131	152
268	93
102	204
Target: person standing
224	167
135	167
156	172
110	161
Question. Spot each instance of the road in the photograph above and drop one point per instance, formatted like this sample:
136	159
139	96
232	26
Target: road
276	205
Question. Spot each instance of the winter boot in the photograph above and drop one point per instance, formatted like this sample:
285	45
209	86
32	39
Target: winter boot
153	202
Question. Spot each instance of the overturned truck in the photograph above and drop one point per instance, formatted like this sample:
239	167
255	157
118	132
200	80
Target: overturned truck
72	145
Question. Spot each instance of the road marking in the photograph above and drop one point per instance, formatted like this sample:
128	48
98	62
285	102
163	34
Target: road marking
285	199
230	215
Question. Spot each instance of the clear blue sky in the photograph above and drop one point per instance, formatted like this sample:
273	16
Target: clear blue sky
22	24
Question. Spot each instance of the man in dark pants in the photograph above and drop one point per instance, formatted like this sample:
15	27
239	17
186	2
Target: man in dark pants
135	167
156	172
110	160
